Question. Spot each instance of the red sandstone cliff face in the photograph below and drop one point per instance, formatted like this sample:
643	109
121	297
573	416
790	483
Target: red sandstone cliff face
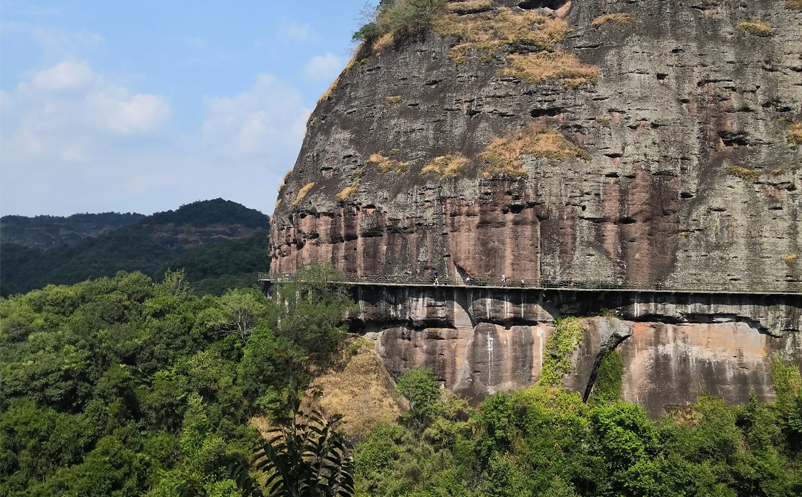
682	174
482	342
682	98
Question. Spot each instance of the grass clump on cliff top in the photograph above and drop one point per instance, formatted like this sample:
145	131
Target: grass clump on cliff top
302	193
755	28
503	156
469	6
446	166
744	173
489	31
795	134
393	18
619	18
562	343
536	68
387	164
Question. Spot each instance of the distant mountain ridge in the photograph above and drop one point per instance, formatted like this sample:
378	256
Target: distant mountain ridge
229	239
49	231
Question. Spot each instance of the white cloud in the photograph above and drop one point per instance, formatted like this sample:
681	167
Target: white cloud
72	141
295	31
252	123
65	76
323	67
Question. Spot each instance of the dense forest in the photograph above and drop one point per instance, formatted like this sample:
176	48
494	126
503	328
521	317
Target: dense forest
220	243
123	386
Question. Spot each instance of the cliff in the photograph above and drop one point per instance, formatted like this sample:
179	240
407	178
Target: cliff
673	162
638	144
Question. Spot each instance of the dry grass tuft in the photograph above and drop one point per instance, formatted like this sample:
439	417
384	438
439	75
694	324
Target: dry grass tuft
542	66
755	28
503	156
795	134
794	4
745	174
389	101
359	389
302	193
356	182
790	258
469	6
277	204
446	166
603	121
487	32
385	41
387	164
327	94
620	18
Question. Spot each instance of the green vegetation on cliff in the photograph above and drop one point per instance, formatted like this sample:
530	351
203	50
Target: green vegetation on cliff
543	441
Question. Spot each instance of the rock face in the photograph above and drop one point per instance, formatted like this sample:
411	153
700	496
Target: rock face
482	342
673	166
684	99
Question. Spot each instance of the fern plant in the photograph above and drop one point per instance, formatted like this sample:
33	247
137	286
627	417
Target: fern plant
304	458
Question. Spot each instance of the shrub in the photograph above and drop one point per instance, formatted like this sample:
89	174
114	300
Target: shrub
609	380
620	18
603	121
302	193
794	4
755	28
540	67
389	101
397	18
419	386
561	345
446	166
745	174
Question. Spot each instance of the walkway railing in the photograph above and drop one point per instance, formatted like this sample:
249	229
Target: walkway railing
428	280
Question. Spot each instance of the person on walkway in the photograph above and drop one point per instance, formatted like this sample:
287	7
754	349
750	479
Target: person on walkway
434	277
503	280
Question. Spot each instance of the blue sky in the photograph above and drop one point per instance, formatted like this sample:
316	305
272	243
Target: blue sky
144	106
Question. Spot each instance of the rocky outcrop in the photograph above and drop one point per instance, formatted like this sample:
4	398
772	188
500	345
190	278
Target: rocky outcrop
690	175
480	343
639	144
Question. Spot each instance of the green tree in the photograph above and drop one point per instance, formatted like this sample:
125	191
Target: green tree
419	386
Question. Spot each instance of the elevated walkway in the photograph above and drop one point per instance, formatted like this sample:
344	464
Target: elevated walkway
790	289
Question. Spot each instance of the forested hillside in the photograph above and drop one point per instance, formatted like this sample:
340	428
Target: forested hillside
125	387
229	240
